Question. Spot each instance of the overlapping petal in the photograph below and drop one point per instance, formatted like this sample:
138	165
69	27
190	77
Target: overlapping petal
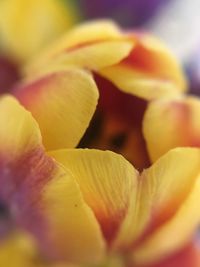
151	206
142	65
72	231
63	103
40	195
182	227
107	182
134	63
78	203
92	45
150	71
27	26
19	133
167	202
71	194
180	128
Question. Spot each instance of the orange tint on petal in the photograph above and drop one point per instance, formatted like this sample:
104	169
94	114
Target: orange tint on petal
171	123
150	71
187	257
168	210
162	189
107	182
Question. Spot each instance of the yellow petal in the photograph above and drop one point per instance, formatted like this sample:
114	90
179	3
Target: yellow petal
107	182
86	33
63	103
164	187
150	71
175	234
41	196
180	128
96	56
72	232
139	84
27	26
17	251
19	133
92	45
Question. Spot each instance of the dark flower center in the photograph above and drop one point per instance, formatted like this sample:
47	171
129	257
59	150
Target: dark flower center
6	223
117	124
9	74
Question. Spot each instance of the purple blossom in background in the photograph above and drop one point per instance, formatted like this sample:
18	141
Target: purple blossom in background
193	72
126	12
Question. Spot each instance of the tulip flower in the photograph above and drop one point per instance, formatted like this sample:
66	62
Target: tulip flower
89	207
92	207
130	69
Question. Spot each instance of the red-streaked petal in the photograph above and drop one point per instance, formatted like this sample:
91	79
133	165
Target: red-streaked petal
150	71
175	233
164	189
107	182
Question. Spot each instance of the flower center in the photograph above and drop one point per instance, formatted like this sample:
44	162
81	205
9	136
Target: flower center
9	74
117	124
6	224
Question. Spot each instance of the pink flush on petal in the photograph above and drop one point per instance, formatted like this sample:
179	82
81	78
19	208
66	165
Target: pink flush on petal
187	257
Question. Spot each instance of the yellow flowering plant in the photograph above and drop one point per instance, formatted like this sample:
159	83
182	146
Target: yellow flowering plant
131	69
87	207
